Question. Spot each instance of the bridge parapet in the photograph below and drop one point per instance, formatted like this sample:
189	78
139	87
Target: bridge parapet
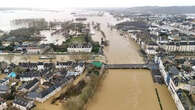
127	66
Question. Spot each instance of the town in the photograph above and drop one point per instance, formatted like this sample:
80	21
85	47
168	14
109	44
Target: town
96	56
169	41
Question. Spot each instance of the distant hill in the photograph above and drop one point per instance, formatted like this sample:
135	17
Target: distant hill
163	10
151	10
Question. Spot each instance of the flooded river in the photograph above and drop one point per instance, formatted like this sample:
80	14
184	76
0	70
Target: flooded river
121	89
126	89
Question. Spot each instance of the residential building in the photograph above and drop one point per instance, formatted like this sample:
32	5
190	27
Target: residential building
29	76
179	47
4	81
67	64
29	86
4	89
80	48
22	104
6	43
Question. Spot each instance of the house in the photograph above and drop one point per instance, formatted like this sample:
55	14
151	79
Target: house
36	66
48	65
150	48
179	46
151	51
28	65
47	93
33	50
80	67
6	43
32	95
22	103
4	81
36	49
3	104
151	45
80	48
29	86
64	64
29	76
4	89
40	65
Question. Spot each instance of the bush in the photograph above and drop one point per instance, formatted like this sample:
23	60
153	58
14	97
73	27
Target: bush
96	47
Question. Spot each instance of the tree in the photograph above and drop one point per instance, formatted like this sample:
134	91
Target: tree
96	47
18	69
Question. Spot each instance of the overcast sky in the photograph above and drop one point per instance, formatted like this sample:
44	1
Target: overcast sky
52	4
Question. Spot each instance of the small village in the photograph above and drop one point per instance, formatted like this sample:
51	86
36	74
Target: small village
24	84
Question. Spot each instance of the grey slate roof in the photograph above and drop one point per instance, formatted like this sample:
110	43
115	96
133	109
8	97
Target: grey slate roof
31	84
21	101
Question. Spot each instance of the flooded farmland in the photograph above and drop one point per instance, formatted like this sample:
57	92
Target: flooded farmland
127	89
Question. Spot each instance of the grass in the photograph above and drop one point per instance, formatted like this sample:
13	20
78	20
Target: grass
75	40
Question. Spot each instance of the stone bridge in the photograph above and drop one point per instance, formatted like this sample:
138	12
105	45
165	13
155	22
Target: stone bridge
127	66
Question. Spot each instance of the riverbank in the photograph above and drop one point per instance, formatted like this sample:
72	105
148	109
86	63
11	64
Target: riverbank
79	101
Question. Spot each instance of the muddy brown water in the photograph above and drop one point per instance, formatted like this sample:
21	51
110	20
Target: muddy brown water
126	89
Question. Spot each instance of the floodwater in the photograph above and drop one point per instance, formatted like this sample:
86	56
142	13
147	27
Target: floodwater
126	89
56	39
6	16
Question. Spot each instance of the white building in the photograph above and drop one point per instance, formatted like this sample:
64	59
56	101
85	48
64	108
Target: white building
180	47
40	66
6	43
35	50
80	48
78	70
67	64
151	51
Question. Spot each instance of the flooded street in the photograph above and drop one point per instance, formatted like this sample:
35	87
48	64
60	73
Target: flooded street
126	89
